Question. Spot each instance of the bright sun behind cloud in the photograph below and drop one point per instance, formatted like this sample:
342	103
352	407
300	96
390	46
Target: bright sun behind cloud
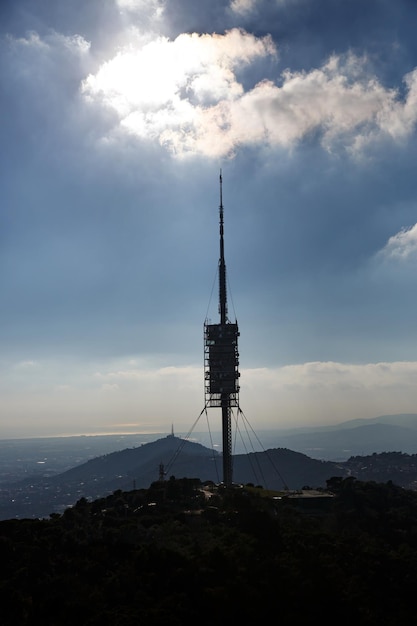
163	84
188	95
198	67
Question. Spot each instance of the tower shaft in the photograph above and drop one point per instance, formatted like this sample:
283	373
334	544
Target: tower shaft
225	399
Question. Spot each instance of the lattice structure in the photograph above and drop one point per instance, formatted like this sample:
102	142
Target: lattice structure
221	363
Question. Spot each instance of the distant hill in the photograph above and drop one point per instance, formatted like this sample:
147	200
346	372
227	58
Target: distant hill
273	469
140	464
48	456
139	467
406	420
291	458
355	437
339	445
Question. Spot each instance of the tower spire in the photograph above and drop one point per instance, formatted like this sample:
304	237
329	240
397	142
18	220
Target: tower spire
222	263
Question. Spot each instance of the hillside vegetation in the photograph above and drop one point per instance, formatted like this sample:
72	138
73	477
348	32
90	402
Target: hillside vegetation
178	554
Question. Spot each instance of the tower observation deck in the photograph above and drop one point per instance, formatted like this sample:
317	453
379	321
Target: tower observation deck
221	360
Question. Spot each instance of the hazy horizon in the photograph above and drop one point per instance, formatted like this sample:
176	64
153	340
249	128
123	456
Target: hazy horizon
241	432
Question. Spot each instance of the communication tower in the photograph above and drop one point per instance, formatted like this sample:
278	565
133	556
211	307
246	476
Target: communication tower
221	360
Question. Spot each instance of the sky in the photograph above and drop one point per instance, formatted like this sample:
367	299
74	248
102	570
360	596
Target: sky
116	119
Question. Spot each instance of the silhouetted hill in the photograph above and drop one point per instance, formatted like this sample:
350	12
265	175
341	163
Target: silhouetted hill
272	468
280	467
141	463
139	467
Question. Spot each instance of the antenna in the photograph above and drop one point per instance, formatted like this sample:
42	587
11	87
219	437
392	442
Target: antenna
222	264
221	360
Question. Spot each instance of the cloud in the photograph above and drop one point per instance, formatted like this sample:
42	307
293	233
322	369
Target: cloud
242	6
170	90
43	74
328	374
141	5
398	119
110	388
328	392
192	95
39	59
150	380
245	7
402	245
309	393
164	82
149	11
186	94
27	364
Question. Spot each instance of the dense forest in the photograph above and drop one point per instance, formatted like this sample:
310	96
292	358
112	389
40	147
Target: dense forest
183	553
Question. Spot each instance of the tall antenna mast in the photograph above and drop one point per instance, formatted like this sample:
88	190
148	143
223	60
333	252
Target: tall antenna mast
222	263
221	360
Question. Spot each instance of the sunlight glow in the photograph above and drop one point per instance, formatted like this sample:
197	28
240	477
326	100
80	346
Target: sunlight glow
198	67
166	86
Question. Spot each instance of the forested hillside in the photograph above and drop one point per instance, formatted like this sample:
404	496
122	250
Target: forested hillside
178	554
